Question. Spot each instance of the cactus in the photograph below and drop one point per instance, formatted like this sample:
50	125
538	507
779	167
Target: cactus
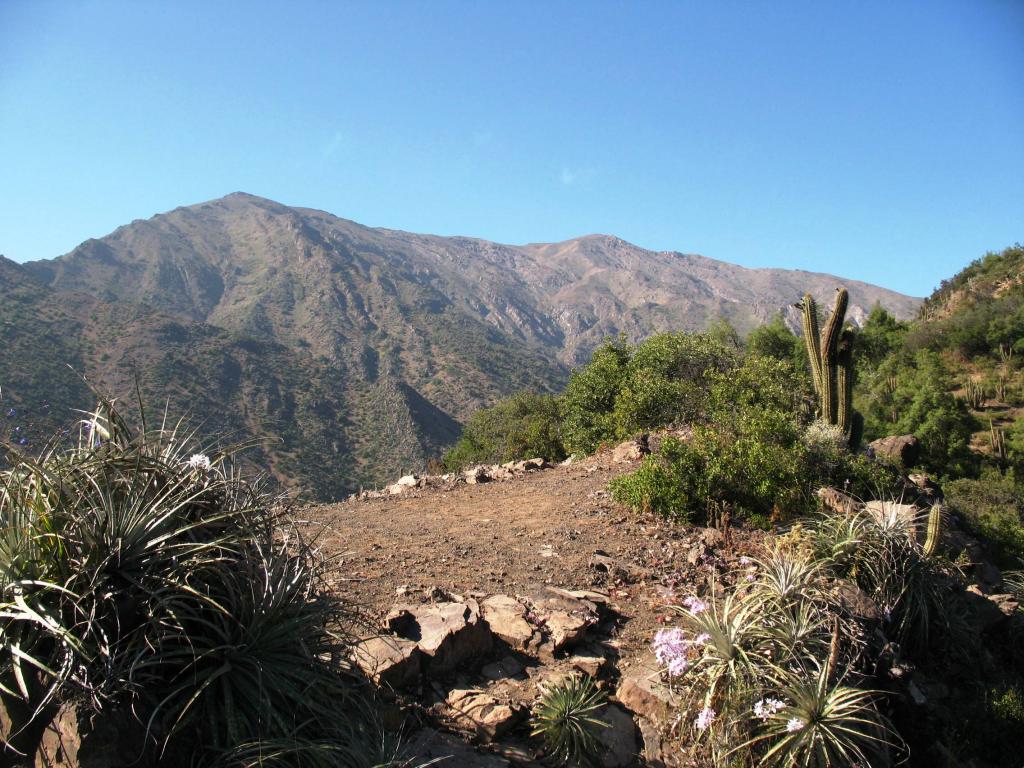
831	357
1005	354
931	542
997	438
1000	388
812	339
844	381
974	394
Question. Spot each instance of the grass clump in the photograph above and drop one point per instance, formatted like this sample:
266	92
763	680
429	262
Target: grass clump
567	719
140	575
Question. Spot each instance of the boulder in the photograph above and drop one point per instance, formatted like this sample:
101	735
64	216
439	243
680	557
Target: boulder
855	602
488	716
642	692
389	661
891	513
631	450
478	474
410	481
989	611
902	450
449	634
619	738
506	618
589	662
566	621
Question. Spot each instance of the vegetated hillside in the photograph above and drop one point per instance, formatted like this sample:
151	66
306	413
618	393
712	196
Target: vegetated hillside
953	375
357	352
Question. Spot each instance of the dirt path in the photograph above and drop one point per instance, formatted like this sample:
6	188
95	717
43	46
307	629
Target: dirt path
514	536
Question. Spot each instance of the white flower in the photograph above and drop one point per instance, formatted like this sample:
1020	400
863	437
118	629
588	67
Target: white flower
704	719
795	724
745	560
765	708
199	461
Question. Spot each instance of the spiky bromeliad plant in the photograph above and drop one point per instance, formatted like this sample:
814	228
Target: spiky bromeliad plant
566	720
137	576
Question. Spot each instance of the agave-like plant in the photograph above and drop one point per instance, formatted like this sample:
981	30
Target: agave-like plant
140	574
566	719
822	725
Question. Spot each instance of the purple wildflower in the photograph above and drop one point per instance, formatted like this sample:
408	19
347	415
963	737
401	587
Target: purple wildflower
695	605
705	719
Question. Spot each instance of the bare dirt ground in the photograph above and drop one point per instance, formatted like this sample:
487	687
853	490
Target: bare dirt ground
517	536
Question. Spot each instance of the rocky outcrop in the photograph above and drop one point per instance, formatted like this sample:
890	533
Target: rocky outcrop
902	450
450	635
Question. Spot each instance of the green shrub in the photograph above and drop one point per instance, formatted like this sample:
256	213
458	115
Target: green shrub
523	426
629	389
911	395
992	506
589	400
747	457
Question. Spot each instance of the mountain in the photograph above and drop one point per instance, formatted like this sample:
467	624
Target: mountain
358	351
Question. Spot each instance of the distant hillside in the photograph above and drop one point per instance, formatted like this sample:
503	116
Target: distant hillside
357	352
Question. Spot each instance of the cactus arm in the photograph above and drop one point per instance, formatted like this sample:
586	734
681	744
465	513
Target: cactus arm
829	345
931	542
844	380
812	338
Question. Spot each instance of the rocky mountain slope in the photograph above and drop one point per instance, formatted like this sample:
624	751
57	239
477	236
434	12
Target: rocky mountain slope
357	351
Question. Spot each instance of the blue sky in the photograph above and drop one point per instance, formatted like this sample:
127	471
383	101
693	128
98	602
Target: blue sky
882	141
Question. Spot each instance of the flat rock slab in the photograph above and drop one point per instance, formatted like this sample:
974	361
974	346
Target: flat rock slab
506	617
390	661
890	513
508	667
487	715
449	634
642	692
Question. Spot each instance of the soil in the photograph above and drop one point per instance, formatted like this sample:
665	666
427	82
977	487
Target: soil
516	537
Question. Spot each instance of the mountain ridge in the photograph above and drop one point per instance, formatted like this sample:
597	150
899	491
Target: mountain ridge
363	349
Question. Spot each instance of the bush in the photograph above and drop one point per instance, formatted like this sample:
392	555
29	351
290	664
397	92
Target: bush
523	426
911	395
994	508
625	390
747	457
139	577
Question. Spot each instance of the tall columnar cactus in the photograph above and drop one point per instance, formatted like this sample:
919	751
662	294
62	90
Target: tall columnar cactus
831	357
997	438
931	542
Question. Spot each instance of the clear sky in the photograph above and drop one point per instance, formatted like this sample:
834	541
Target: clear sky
882	141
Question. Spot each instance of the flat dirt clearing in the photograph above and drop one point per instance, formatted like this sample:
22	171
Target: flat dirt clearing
515	537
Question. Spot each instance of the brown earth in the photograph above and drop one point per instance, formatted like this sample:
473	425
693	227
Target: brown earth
517	537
